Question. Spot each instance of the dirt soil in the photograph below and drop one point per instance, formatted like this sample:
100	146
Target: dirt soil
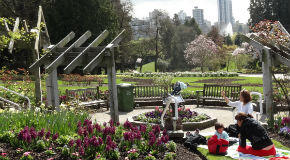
283	140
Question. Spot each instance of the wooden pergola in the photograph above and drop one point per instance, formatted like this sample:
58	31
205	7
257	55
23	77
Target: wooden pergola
75	55
270	55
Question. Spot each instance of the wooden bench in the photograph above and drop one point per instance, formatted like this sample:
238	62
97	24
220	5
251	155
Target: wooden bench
88	97
148	95
213	92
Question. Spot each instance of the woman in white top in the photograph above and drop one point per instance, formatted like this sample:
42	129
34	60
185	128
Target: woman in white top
244	105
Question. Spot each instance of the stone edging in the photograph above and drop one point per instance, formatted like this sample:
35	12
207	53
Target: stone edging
188	126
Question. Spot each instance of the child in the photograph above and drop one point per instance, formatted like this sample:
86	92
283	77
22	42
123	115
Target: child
220	133
219	143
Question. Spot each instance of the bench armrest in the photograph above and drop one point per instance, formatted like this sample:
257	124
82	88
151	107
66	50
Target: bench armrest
198	92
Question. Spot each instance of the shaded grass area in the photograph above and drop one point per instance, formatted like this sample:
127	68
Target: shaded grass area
149	67
218	157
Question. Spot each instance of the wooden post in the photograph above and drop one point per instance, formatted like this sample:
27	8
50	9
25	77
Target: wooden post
267	82
112	86
52	90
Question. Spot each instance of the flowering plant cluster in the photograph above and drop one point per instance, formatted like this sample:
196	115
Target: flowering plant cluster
29	138
76	79
3	156
185	115
108	140
26	156
181	74
282	125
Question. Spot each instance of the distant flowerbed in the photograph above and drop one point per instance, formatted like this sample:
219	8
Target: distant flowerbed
282	126
185	115
182	74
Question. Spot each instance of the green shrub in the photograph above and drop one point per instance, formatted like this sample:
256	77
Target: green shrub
170	156
171	146
150	157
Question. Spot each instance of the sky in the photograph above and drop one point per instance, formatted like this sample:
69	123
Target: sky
143	7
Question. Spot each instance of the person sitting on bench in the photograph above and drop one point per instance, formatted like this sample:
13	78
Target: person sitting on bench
244	105
251	129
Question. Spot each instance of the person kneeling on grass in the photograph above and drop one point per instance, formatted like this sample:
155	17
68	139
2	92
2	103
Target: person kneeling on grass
250	129
219	143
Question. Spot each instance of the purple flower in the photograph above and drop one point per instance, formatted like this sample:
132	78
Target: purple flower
80	131
165	138
87	122
108	148
127	125
98	127
71	143
104	124
164	132
152	138
41	133
156	129
118	124
81	151
47	135
159	142
54	137
143	128
90	129
111	122
79	142
86	142
100	140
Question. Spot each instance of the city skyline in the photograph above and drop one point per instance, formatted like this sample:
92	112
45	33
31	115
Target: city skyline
210	7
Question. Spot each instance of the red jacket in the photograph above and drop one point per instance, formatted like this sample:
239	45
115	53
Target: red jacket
217	146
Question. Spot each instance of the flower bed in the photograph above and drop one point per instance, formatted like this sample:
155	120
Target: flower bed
91	141
186	116
182	74
281	125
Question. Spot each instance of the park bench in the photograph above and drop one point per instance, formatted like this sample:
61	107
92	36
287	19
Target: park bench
150	95
213	92
88	97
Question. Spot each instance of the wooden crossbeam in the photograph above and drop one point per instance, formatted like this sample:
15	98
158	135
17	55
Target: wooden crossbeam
44	59
15	29
40	19
282	59
99	58
61	58
79	59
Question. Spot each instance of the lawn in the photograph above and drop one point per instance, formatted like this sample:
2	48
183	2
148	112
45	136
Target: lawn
149	67
218	157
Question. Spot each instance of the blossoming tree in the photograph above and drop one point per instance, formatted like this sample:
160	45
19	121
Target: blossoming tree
199	51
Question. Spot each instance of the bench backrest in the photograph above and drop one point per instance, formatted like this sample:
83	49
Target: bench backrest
151	91
214	90
84	94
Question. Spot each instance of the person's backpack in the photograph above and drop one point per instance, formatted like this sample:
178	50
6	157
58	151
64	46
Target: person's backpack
218	146
233	130
192	141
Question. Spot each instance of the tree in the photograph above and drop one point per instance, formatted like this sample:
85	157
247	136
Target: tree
142	48
192	23
276	10
200	50
238	40
176	20
228	40
215	36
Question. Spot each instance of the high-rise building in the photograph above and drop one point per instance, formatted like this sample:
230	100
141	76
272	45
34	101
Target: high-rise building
198	15
182	16
225	12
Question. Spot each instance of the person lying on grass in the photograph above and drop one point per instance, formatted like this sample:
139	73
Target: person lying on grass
244	105
252	130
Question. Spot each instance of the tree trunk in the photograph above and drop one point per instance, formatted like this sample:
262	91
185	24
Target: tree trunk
141	68
156	47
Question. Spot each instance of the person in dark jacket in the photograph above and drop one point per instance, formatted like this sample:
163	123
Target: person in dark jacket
250	129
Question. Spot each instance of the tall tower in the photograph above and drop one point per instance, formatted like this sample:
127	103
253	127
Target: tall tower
198	15
225	12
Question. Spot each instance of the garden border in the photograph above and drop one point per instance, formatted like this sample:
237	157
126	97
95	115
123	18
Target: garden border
187	126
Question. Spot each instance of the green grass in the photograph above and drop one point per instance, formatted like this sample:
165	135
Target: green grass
218	157
149	67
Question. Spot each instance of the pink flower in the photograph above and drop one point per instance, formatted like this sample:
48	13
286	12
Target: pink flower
26	154
3	154
50	159
156	108
179	109
187	109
